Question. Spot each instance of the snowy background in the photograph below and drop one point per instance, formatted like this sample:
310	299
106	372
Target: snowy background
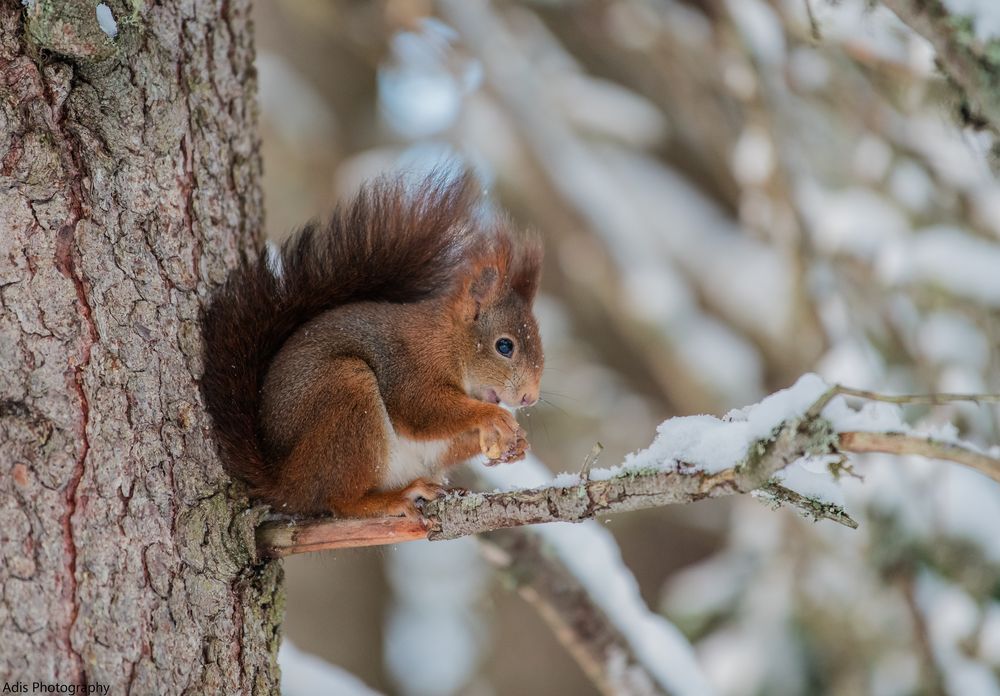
732	194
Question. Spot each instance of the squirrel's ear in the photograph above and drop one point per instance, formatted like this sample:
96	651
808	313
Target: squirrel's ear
525	284
527	269
480	290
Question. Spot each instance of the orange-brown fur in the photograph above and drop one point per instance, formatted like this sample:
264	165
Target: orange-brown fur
380	336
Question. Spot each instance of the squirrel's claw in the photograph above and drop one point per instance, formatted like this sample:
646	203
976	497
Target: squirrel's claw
503	440
416	494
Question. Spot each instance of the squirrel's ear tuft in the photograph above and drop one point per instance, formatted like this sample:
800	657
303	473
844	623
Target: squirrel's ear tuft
526	268
480	289
484	284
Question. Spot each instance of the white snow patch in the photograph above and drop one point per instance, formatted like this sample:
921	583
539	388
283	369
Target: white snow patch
947	337
106	20
422	87
303	674
761	28
873	416
707	443
947	151
852	361
436	589
969	508
723	360
809	69
607	109
986	207
712	444
912	186
565	480
872	157
753	157
857	23
963	265
856	221
989	635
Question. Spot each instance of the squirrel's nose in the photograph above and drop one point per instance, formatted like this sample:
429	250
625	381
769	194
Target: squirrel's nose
529	399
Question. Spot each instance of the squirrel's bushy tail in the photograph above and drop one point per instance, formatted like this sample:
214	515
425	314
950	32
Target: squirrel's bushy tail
395	242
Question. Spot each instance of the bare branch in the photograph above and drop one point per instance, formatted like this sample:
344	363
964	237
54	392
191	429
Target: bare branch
903	443
930	668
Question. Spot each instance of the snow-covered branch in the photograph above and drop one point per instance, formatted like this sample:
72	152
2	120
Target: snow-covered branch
692	458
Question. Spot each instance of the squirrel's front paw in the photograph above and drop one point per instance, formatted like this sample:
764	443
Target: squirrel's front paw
502	440
514	453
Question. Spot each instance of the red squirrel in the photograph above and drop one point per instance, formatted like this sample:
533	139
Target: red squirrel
373	354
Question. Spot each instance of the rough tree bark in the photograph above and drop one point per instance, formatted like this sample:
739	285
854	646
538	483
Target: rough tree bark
128	185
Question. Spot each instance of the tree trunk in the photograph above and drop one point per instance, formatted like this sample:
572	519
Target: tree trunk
128	186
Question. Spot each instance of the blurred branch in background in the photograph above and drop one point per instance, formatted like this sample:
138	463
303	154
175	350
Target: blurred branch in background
973	71
596	644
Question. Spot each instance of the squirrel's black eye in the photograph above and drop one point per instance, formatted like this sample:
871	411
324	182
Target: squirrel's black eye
505	347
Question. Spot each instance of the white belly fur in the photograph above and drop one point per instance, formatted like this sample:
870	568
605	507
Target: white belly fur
412	459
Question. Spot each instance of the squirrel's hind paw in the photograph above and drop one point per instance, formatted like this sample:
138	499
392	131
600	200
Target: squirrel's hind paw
422	488
419	492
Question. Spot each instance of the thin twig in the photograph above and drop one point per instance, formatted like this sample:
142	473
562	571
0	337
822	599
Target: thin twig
902	399
922	399
590	460
778	495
